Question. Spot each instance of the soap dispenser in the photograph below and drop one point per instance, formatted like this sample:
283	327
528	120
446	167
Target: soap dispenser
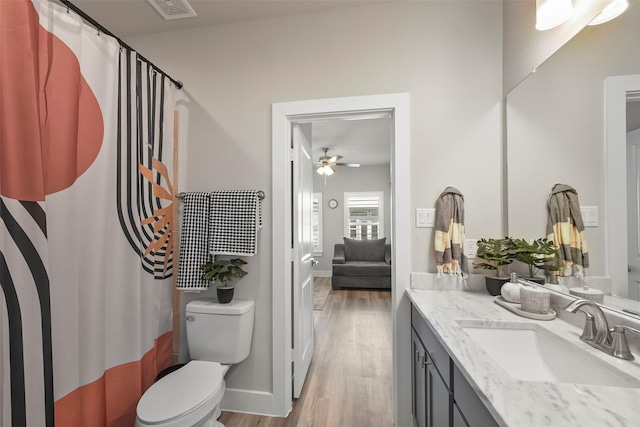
511	290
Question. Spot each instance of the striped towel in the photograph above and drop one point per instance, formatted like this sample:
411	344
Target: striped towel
566	229
235	220
194	241
449	233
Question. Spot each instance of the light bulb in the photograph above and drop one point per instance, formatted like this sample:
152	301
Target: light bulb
551	13
613	10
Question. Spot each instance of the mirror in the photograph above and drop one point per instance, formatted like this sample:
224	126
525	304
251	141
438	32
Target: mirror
556	133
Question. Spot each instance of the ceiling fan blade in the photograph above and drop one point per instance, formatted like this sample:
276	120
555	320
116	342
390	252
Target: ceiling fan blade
335	159
349	165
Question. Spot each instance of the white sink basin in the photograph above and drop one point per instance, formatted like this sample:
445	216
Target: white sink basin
530	352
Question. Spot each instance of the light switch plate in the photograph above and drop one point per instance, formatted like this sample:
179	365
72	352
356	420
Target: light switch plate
589	215
425	218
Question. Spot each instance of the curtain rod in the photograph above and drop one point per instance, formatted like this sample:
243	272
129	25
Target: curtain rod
100	28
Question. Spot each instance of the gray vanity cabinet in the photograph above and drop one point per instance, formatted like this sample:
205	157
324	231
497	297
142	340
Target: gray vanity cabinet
431	379
419	381
441	396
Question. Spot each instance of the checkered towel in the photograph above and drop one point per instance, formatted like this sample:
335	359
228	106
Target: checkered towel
194	241
235	220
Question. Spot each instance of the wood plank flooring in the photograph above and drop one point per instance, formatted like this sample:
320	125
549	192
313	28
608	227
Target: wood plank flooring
349	380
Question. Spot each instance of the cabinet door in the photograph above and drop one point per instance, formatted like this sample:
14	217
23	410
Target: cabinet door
458	419
439	399
418	379
474	411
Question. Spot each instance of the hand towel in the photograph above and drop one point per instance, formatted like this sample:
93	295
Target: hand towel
235	220
194	241
449	233
566	229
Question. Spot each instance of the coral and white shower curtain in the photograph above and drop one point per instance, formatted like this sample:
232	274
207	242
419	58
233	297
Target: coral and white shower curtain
85	221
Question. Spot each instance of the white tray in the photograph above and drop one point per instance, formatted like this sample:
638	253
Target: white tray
515	308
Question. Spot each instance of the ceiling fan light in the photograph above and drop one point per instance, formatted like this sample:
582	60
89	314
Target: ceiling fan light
551	13
612	11
328	170
320	170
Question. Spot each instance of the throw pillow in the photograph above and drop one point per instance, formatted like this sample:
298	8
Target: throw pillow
364	250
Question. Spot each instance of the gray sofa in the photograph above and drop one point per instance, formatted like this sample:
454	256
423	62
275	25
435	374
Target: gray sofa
361	264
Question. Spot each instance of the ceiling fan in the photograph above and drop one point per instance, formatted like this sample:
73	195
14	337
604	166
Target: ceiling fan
326	164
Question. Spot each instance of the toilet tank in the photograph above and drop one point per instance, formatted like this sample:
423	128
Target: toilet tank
219	332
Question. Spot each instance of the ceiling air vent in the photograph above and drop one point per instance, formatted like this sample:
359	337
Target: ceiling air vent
173	9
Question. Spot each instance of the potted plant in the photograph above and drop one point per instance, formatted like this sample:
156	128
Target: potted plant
225	271
537	255
495	253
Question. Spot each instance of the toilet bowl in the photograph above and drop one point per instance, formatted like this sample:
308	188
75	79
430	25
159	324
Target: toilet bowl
189	396
217	335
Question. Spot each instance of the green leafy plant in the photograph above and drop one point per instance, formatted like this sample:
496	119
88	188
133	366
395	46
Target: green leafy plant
537	255
223	270
496	254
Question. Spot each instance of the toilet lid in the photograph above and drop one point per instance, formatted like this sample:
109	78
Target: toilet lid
180	392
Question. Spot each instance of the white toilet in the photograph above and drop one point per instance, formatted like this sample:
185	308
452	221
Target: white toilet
218	335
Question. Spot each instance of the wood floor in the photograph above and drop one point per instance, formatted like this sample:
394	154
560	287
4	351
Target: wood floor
349	380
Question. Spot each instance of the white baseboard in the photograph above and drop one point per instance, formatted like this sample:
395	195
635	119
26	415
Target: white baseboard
248	402
322	273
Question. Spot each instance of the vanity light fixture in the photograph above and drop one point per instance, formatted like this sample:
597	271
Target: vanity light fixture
612	11
551	13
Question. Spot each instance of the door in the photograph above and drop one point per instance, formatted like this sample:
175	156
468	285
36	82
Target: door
303	262
633	217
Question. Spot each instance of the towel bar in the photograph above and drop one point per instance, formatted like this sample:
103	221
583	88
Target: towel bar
261	195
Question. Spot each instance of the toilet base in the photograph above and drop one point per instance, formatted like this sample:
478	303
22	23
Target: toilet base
212	421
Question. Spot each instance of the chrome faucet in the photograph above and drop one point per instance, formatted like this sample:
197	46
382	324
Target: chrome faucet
597	334
620	346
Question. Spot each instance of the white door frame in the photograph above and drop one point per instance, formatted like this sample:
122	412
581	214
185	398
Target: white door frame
282	116
616	89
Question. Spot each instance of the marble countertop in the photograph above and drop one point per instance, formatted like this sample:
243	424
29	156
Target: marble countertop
517	403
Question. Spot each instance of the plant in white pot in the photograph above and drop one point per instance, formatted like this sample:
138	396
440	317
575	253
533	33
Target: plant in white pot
225	271
496	254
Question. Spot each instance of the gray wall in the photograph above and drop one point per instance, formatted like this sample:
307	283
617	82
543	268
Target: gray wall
446	55
364	178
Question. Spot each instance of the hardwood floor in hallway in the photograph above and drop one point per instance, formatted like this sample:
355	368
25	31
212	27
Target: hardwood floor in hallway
349	380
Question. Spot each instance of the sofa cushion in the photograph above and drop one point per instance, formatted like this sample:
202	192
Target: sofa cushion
362	269
364	250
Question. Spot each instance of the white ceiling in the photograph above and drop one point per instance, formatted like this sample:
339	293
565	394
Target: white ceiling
134	17
359	141
364	141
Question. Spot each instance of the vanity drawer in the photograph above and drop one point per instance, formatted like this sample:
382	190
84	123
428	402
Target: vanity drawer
474	411
437	352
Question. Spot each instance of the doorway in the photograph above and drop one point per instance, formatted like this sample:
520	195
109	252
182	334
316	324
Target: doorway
283	114
617	90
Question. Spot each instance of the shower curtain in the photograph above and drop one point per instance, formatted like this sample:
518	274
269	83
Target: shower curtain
85	221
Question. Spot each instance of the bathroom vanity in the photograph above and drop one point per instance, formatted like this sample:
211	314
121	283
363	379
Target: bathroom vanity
475	364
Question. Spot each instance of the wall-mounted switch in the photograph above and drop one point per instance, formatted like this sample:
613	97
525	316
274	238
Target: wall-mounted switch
589	215
425	217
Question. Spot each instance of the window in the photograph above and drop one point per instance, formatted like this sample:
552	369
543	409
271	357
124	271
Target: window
363	213
316	223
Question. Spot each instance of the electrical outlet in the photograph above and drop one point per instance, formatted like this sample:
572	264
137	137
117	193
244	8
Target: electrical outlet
470	247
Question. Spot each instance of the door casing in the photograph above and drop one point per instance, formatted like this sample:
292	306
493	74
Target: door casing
282	116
